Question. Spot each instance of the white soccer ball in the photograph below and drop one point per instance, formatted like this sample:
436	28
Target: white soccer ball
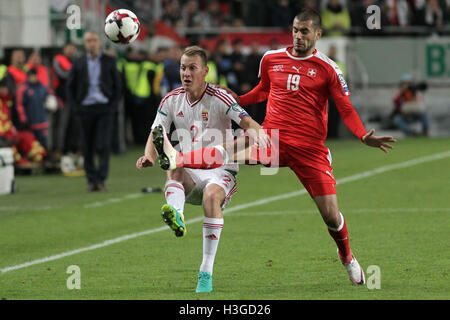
122	26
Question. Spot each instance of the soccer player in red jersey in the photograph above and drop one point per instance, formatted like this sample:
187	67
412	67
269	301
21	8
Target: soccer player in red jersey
297	82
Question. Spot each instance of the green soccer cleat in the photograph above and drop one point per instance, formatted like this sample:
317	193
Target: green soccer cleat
204	282
173	219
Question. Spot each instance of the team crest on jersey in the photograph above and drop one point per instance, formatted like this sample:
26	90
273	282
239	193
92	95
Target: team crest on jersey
205	115
278	67
312	72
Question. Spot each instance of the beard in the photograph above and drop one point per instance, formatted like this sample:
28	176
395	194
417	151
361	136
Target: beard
302	51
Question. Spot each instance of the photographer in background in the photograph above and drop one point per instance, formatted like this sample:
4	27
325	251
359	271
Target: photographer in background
409	106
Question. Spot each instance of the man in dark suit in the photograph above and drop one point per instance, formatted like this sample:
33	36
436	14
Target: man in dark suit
93	89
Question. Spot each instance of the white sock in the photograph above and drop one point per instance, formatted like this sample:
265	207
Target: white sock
174	192
211	234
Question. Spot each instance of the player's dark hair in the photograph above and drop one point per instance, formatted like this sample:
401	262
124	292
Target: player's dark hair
310	14
196	51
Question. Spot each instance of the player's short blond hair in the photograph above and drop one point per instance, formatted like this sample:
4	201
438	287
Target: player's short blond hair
196	51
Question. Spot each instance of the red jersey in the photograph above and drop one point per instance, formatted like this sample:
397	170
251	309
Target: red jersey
298	89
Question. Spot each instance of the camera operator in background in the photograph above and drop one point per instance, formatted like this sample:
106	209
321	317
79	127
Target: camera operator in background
409	106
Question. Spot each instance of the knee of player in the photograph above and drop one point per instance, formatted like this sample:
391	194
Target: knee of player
176	174
213	197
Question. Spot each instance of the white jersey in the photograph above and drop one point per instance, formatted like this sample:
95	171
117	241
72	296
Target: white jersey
203	123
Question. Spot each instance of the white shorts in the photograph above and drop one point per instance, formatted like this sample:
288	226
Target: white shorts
204	178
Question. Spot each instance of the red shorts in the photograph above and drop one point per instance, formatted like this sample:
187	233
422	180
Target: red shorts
311	163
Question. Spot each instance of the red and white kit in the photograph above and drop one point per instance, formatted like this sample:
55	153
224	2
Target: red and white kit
201	124
297	91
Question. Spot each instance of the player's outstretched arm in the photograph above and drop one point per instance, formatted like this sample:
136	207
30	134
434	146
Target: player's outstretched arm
378	141
256	95
255	132
148	159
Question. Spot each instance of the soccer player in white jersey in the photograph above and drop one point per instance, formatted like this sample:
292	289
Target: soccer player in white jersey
202	117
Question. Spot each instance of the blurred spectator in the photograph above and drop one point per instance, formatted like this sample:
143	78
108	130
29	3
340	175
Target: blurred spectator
93	89
398	12
142	86
214	76
445	5
225	63
129	70
35	62
191	14
27	151
334	118
282	14
143	106
238	60
251	79
158	58
9	80
172	12
62	63
409	106
65	127
17	68
252	62
8	133
433	14
335	19
31	96
214	15
171	79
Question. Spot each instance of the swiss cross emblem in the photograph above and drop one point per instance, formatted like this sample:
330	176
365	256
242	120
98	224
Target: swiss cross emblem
312	72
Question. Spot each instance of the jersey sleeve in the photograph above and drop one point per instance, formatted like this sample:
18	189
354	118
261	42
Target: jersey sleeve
264	74
256	95
231	109
340	93
163	115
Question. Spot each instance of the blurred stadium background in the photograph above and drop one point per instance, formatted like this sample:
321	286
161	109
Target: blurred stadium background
413	39
413	43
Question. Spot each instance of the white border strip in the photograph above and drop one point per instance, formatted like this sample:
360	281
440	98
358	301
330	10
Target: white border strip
359	176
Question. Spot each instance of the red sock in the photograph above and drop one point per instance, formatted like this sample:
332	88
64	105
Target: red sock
341	239
204	158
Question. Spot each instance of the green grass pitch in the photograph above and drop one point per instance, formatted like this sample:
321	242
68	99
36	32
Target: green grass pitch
398	220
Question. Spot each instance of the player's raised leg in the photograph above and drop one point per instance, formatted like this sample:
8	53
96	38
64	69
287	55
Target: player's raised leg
169	158
213	197
337	228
